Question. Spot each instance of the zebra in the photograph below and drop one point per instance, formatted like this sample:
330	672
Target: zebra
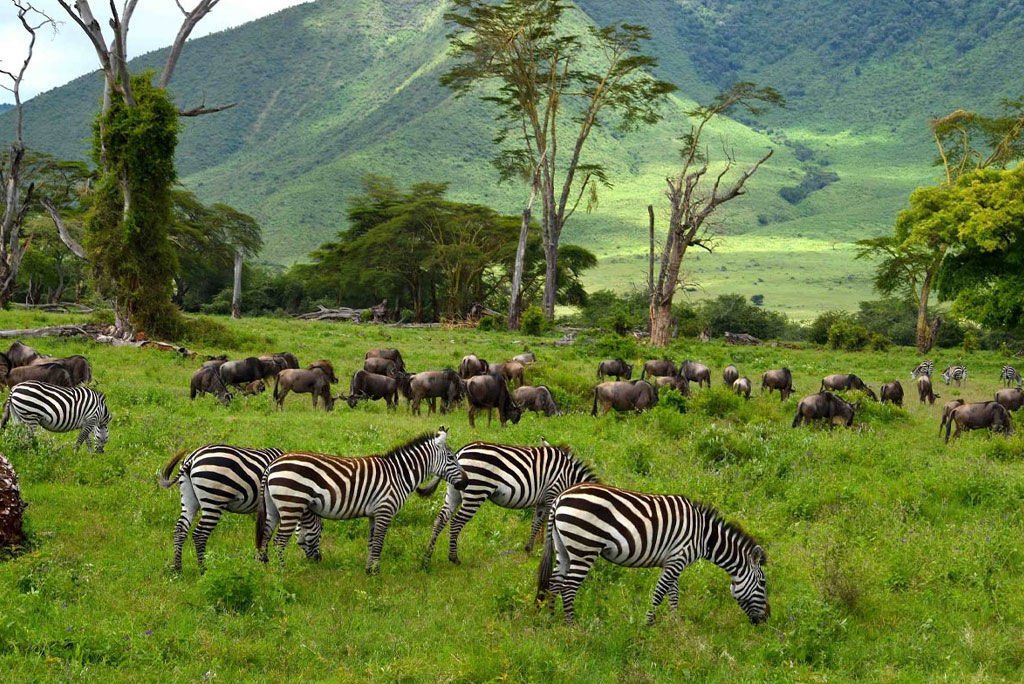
958	373
304	488
923	368
510	476
60	409
213	479
646	530
1010	374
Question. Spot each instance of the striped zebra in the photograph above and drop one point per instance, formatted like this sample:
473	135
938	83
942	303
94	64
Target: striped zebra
1009	375
510	476
923	368
60	409
213	479
303	488
957	373
646	530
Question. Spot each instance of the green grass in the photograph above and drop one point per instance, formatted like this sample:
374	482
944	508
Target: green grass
891	556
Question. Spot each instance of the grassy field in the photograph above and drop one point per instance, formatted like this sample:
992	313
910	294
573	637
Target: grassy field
892	557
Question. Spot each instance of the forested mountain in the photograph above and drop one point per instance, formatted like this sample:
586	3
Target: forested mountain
330	91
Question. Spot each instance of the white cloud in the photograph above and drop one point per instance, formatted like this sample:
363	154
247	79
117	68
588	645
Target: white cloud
61	57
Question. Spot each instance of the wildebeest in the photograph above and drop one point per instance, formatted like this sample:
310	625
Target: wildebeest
983	414
742	387
696	372
616	368
660	367
391	354
50	373
206	380
677	382
892	392
924	390
490	392
77	366
637	395
21	354
472	365
947	410
780	379
730	375
381	366
253	388
537	399
288	360
214	363
513	371
526	358
244	371
825	406
315	380
431	385
367	385
1011	399
845	381
327	368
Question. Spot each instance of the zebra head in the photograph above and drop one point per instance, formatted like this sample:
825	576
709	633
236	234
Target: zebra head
100	431
443	461
748	586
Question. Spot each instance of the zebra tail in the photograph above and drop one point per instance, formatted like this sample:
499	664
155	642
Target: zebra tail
544	569
261	519
429	488
165	474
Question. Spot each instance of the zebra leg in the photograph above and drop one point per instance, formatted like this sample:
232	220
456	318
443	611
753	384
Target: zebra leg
289	521
85	435
575	573
469	507
311	528
668	582
204	528
189	507
451	502
378	530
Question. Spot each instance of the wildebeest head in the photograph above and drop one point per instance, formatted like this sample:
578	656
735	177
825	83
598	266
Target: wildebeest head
327	369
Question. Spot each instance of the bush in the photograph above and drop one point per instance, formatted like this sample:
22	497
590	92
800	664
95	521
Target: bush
491	323
534	322
733	313
609	310
614	346
818	332
878	342
970	343
848	336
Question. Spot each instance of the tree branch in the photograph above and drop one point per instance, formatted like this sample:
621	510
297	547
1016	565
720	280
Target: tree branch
202	109
191	19
62	230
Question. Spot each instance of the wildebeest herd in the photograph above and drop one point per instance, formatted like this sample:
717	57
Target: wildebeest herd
293	492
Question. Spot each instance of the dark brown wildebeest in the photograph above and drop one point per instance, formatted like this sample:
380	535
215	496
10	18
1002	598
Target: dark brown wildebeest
845	381
696	372
924	390
315	380
286	359
825	406
730	375
391	354
512	371
52	373
244	371
431	385
947	410
472	365
536	399
636	395
526	358
253	388
380	366
742	387
371	386
677	382
77	366
326	367
616	368
781	379
214	363
21	354
206	380
982	414
892	392
490	392
1011	399
5	367
658	367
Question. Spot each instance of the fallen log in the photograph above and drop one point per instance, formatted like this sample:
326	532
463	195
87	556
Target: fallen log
97	332
57	307
741	338
342	313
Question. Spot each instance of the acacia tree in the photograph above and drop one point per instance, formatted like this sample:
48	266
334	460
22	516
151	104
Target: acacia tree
542	81
911	258
134	143
695	195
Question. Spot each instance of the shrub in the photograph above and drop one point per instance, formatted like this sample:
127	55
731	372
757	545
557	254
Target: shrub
491	323
614	346
848	336
818	332
534	322
878	342
733	313
970	343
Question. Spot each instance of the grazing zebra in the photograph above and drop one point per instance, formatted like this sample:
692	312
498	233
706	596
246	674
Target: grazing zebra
923	368
213	479
958	373
642	531
1009	375
510	476
60	409
302	487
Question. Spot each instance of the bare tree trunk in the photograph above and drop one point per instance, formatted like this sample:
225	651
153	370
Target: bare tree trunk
650	256
515	306
236	293
11	506
550	276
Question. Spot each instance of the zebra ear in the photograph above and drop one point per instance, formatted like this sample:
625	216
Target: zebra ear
759	555
442	435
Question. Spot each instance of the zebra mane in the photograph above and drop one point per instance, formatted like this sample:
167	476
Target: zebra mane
715	517
414	442
583	468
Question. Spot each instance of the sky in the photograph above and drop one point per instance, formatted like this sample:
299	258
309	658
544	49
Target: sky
67	54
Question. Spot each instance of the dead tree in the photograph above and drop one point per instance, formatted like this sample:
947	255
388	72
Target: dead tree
11	506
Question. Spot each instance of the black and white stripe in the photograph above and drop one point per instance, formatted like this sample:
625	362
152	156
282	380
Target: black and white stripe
60	409
957	373
1009	375
213	479
510	476
923	368
643	531
303	488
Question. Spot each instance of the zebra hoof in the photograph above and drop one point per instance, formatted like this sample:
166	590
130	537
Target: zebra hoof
454	560
528	548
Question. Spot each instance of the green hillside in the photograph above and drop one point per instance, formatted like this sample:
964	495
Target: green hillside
330	91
